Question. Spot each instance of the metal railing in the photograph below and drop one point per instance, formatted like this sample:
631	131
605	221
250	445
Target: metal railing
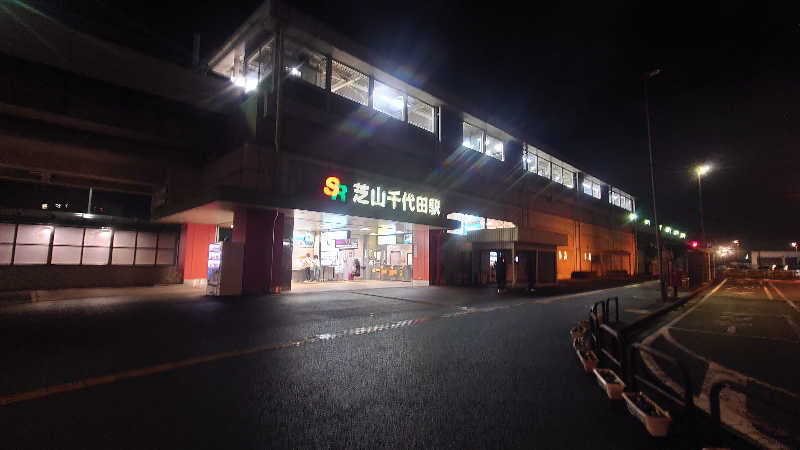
682	400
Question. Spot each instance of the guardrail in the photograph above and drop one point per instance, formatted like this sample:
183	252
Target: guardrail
604	339
611	349
682	400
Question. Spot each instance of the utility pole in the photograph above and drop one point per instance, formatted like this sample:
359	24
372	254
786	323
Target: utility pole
653	184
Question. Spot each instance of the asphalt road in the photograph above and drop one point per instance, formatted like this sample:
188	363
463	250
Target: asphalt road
745	331
434	368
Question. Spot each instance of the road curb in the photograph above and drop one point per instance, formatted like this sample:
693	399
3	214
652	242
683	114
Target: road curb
640	322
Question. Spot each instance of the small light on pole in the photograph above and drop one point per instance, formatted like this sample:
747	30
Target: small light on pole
701	170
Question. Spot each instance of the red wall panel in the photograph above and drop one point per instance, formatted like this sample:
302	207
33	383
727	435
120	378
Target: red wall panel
193	256
421	260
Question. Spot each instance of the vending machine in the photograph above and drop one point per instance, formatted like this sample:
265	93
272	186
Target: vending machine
225	268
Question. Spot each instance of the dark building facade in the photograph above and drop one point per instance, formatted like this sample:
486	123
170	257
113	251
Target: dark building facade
290	141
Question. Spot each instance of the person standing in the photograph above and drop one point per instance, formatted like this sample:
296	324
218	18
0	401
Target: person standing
315	266
500	273
307	267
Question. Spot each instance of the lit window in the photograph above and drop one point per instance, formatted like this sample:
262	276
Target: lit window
568	179
529	159
592	188
349	83
473	137
620	199
303	64
494	147
388	100
421	114
556	174
543	169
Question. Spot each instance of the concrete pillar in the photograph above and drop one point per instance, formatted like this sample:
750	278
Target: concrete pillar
434	250
261	232
421	260
193	251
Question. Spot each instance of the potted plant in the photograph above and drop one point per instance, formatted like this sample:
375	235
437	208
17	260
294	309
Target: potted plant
655	419
610	382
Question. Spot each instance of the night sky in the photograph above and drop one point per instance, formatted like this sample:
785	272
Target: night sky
570	74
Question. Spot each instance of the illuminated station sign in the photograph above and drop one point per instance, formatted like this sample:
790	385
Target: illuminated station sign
381	197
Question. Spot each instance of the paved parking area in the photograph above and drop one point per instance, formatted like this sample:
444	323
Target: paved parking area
745	331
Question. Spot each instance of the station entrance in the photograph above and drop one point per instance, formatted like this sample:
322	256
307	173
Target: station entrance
339	252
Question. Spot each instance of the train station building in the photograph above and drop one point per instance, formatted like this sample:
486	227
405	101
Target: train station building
294	143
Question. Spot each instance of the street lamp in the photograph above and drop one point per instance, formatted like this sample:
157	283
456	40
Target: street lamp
701	170
661	274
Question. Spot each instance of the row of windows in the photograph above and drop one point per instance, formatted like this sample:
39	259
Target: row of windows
312	67
620	199
477	139
46	244
544	165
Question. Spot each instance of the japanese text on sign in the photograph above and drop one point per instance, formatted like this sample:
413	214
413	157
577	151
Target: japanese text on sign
380	197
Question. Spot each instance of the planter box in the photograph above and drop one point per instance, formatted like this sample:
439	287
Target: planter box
577	332
657	424
587	358
613	389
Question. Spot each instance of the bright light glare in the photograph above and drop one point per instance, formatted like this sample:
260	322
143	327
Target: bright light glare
647	222
794	244
632	216
294	72
668	229
702	170
249	83
675	232
683	235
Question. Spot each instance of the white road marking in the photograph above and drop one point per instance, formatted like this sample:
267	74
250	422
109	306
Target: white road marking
639	311
791	303
733	410
728	334
768	294
649	340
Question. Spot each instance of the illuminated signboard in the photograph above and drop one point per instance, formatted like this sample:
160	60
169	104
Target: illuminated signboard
333	235
381	197
346	243
387	240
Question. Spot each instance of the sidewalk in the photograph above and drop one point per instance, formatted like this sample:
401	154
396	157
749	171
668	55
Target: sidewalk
167	291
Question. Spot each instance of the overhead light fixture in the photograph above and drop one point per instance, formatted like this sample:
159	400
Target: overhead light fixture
365	228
